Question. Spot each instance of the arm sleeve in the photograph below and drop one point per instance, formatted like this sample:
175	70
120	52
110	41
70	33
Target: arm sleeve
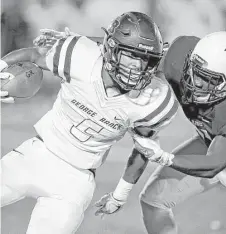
72	57
204	165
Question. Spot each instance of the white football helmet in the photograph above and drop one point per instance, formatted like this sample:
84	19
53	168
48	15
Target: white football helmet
204	75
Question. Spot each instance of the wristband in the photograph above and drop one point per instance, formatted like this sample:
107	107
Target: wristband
3	65
122	190
170	160
166	159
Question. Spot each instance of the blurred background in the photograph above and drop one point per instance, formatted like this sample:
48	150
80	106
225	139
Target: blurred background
21	21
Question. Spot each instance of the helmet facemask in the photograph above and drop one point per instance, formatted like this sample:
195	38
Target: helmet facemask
131	68
200	85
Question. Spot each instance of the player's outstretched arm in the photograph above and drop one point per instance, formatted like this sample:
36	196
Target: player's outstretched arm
135	167
113	202
137	162
48	37
206	166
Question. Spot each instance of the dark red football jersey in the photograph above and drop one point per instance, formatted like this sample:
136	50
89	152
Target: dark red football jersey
209	120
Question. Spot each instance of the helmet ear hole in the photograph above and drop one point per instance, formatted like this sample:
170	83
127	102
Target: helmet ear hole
111	42
166	46
108	66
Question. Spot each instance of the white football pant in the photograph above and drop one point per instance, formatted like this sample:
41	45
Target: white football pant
63	192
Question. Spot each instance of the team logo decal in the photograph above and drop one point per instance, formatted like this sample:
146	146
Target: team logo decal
146	47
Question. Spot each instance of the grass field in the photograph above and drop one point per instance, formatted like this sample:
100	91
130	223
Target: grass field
193	216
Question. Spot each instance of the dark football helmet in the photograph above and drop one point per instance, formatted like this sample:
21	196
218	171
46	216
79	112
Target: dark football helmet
204	74
135	37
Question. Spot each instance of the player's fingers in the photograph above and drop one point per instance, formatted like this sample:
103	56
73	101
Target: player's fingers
45	43
47	31
39	40
51	41
48	39
99	203
38	44
102	201
102	216
104	210
43	39
101	212
3	93
49	44
58	36
98	212
40	37
52	33
222	177
7	100
4	75
67	31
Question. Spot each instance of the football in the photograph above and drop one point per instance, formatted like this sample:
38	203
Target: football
26	82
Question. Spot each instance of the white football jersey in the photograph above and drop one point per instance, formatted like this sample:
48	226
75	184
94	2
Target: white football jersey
83	116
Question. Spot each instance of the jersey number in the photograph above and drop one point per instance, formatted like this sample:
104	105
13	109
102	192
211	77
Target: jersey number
85	130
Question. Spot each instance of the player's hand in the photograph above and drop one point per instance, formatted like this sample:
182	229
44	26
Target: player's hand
4	96
108	205
57	34
152	150
44	41
221	176
49	37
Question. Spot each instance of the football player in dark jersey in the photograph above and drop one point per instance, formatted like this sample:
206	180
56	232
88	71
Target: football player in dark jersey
196	70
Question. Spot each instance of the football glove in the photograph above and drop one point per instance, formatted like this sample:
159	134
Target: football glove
151	150
4	96
56	34
221	176
49	37
108	205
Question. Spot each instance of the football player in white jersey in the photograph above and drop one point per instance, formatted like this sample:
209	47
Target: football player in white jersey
105	92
